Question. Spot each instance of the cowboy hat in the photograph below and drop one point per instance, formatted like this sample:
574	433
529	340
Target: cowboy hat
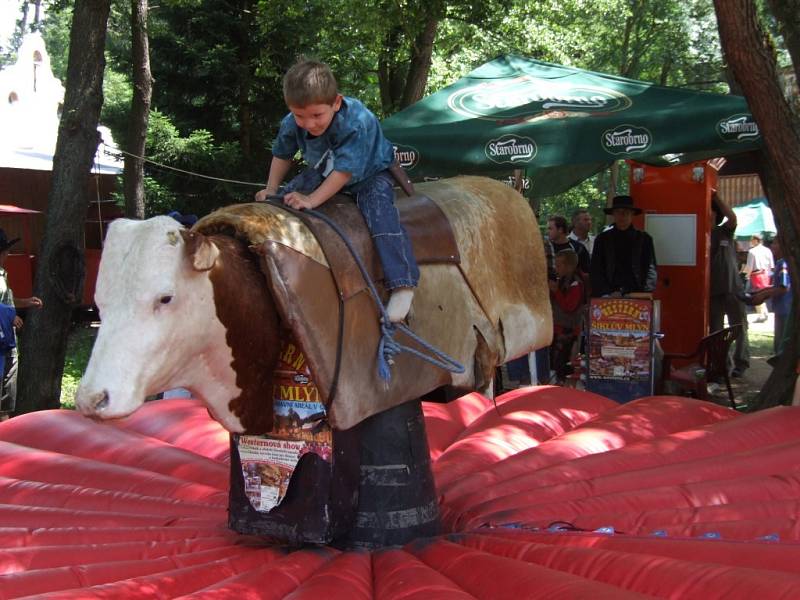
5	243
622	202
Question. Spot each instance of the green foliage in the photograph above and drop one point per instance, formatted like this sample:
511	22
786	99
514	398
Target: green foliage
196	152
79	349
55	31
671	43
585	195
117	95
218	66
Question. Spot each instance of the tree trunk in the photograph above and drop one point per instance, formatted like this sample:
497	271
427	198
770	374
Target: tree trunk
23	23
390	72
60	271
750	57
613	180
140	112
420	66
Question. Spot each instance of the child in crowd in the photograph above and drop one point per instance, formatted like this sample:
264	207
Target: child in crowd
567	298
342	142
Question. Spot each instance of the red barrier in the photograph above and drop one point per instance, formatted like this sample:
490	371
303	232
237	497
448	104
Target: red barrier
346	577
271	582
182	422
69	430
708	480
526	420
400	575
644	574
756	555
136	508
485	575
445	422
643	420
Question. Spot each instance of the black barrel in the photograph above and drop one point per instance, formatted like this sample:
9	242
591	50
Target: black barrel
397	498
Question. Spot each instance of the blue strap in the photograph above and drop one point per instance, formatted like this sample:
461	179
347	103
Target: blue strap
388	347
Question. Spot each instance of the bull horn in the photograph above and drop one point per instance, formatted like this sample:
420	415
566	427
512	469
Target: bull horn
201	251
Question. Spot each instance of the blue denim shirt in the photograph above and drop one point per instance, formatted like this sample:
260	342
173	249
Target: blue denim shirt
353	143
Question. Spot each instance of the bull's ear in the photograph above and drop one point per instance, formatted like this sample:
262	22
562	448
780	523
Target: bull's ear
200	250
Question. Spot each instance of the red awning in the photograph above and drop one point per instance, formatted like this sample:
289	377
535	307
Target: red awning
16	210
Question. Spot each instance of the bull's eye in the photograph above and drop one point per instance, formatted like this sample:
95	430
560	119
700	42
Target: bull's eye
165	299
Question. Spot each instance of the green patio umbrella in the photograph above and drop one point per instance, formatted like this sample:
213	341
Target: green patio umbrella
560	125
755	217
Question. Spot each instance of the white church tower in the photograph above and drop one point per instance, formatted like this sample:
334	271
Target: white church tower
31	98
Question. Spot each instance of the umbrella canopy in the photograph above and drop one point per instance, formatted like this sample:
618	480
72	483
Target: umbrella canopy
754	218
561	124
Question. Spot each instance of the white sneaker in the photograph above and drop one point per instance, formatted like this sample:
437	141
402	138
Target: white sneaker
399	304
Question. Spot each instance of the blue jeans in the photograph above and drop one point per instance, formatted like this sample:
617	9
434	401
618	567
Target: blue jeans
375	199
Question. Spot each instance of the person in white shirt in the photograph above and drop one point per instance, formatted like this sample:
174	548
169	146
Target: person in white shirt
581	229
759	267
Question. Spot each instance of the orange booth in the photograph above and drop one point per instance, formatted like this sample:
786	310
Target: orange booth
676	204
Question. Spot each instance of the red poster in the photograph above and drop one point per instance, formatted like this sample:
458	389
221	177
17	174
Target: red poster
620	336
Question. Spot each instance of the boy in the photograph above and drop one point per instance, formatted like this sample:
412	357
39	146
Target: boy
567	299
342	142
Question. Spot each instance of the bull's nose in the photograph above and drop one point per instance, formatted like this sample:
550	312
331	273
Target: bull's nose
98	402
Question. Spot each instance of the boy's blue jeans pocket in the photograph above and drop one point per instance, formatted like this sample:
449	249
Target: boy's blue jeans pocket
375	199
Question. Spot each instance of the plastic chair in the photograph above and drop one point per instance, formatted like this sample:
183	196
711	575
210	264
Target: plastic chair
708	362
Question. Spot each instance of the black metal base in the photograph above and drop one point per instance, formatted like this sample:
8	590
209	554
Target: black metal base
397	498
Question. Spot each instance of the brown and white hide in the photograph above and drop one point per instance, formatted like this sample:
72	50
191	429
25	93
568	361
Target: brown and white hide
492	307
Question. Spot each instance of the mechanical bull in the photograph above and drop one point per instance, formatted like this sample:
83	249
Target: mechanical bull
205	309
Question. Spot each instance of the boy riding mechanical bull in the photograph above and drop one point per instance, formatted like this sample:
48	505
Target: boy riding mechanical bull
343	144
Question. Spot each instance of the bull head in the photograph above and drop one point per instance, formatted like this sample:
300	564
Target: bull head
160	324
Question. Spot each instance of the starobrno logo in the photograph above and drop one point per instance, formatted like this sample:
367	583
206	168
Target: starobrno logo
407	156
511	149
738	128
626	139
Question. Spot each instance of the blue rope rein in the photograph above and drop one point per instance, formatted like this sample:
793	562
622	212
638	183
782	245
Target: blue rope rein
388	347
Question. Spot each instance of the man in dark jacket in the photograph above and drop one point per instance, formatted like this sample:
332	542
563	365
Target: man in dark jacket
726	285
623	258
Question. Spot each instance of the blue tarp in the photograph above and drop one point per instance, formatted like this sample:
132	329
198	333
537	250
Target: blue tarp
754	217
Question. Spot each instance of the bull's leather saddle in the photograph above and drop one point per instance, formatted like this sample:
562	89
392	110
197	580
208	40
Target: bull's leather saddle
429	230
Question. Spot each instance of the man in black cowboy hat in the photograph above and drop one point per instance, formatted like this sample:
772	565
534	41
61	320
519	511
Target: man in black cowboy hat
623	258
8	395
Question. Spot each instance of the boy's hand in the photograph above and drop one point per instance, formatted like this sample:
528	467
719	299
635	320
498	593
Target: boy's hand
261	195
299	201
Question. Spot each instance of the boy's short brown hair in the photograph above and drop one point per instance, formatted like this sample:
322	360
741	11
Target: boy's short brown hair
309	82
568	256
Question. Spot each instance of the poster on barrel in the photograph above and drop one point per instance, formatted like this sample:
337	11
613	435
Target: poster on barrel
620	347
300	426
